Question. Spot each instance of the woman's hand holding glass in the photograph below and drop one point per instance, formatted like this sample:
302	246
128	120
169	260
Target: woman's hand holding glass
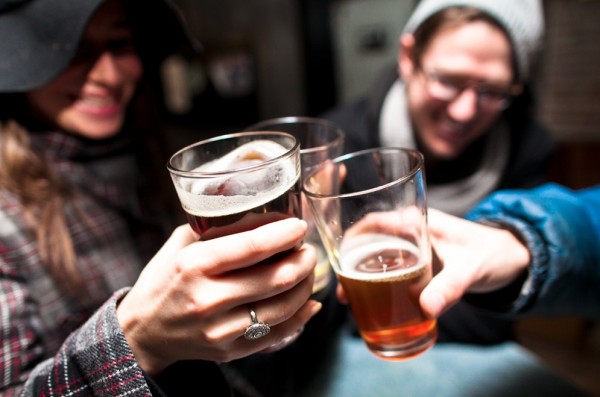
191	301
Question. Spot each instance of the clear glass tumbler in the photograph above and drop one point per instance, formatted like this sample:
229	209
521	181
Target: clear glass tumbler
320	140
370	209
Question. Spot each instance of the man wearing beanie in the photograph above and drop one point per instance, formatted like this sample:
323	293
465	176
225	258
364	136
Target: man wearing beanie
460	93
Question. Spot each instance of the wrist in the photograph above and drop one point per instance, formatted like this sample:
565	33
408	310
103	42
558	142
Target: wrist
535	267
514	261
515	252
133	328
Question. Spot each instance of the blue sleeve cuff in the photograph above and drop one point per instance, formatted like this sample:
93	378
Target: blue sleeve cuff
537	270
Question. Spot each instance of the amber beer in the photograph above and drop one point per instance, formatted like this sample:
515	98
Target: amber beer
382	281
213	216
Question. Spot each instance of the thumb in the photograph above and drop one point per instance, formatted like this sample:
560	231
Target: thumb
442	292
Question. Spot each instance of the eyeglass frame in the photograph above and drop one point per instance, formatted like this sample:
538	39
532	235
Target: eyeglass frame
497	98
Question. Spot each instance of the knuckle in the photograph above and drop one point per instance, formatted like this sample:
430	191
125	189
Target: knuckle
185	263
284	312
285	279
181	229
204	306
255	245
213	338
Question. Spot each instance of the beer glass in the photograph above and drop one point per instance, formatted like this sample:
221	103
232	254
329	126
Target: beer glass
320	140
237	182
370	210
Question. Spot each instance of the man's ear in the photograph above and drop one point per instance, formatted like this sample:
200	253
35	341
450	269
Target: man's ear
406	65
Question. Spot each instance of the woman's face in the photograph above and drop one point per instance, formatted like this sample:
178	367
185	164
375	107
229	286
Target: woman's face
90	97
476	58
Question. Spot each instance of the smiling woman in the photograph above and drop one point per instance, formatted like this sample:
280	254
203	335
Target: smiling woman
79	81
100	292
91	96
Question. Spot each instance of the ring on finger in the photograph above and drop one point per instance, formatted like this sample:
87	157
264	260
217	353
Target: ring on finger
257	329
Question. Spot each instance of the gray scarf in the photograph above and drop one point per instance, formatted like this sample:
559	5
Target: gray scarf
456	197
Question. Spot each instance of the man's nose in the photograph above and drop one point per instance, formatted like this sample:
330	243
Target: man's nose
464	107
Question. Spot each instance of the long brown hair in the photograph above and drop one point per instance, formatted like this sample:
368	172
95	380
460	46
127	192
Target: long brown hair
43	194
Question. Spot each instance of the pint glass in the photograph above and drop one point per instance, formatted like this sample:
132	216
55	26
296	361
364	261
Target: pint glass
370	210
237	182
320	140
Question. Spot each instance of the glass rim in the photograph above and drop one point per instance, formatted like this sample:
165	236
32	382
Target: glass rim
413	171
216	174
303	119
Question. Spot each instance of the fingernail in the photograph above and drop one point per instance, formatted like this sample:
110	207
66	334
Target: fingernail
316	307
304	224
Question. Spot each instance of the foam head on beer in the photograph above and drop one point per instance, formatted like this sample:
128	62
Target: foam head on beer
225	176
253	178
250	183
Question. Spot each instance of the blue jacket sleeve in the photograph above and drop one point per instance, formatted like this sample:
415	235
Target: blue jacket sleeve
561	228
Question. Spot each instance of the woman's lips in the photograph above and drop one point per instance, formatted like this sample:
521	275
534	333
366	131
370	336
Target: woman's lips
103	106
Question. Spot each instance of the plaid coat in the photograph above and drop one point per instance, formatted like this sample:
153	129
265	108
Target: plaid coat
50	343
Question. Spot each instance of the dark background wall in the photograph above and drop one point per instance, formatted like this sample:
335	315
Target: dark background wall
301	57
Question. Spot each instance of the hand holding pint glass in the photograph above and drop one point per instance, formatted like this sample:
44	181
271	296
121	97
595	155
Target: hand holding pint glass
370	209
238	182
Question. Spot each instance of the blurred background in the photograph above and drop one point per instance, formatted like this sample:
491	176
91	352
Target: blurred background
271	58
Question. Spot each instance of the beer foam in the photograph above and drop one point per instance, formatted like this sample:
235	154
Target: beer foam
219	205
245	155
259	186
373	244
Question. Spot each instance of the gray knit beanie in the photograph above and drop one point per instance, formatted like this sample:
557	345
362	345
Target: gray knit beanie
522	19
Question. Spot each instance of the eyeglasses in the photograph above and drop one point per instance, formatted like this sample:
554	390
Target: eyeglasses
447	88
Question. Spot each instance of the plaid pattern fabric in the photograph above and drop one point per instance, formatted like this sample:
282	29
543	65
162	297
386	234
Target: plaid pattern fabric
51	344
95	360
